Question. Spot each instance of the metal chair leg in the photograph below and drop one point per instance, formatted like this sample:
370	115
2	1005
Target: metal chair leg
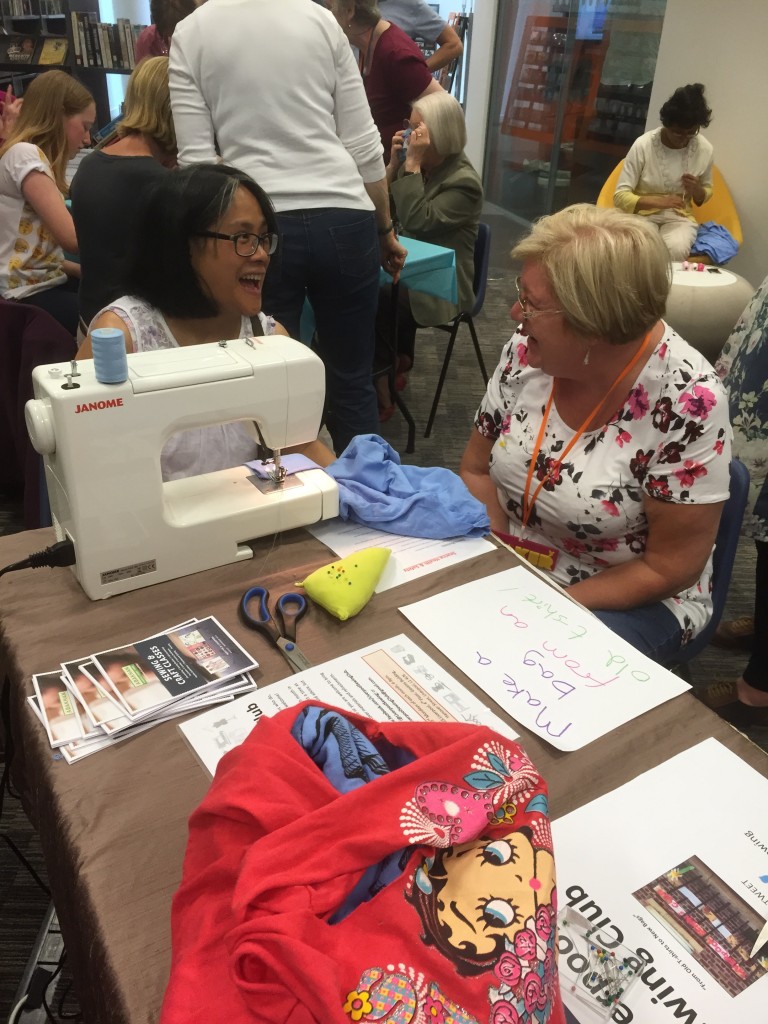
441	380
478	353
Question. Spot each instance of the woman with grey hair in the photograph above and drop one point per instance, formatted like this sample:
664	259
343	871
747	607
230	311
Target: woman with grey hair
601	447
438	198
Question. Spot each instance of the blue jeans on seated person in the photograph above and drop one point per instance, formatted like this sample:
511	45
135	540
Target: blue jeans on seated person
653	630
331	257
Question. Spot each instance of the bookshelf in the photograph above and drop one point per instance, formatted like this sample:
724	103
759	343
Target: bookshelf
92	39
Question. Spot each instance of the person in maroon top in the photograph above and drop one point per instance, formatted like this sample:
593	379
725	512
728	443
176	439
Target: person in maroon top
395	73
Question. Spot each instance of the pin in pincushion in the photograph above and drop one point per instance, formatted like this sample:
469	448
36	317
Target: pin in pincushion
345	587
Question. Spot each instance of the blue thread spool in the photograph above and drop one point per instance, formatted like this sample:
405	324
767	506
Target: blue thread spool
109	357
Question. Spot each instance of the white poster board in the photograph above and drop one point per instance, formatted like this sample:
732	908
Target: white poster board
546	661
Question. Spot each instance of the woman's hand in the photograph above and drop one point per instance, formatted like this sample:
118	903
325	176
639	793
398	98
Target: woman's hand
475	471
396	156
392	255
418	144
10	113
694	188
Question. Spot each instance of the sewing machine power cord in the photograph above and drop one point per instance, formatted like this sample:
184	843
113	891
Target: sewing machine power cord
59	554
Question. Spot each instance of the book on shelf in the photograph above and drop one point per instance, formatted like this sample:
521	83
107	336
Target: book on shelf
106	53
127	43
18	49
93	31
53	50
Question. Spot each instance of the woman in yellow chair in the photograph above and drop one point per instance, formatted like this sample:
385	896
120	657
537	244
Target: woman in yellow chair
669	169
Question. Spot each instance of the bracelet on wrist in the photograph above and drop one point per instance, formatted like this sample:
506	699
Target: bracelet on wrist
386	230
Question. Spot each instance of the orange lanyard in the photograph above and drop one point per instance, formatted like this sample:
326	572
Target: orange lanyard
529	502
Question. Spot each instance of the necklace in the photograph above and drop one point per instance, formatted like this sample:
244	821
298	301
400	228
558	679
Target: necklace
554	468
365	58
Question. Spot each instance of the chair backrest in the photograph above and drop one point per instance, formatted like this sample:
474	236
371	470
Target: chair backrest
482	262
720	208
724	555
31	337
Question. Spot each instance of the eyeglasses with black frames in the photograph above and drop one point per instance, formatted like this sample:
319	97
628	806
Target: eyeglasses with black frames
246	242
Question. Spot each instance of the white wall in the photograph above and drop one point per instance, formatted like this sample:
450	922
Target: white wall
478	88
724	46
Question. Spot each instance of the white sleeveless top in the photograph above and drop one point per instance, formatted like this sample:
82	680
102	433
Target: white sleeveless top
204	449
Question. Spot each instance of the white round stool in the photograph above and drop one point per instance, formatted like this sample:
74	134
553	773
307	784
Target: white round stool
704	305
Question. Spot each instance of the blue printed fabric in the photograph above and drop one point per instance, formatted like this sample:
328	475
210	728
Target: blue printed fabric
377	491
715	241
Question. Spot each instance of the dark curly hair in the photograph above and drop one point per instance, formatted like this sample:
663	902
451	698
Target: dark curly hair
686	108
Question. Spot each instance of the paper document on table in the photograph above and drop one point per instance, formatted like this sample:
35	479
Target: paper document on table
550	664
673	865
390	681
411	557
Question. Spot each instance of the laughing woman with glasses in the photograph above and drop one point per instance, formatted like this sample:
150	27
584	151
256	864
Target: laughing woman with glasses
602	445
669	169
203	244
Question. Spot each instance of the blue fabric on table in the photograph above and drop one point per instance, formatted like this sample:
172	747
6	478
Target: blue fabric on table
375	490
349	760
715	241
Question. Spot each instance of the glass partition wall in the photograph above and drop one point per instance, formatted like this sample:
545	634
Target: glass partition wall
571	84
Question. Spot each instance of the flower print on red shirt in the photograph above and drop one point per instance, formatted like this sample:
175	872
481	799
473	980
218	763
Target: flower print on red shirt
690	472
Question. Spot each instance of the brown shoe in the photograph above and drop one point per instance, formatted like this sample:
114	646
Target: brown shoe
718	694
738	633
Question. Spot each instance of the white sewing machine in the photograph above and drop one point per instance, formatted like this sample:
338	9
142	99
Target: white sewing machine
102	442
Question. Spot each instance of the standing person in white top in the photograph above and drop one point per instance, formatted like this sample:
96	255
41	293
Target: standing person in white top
275	84
35	226
669	169
420	21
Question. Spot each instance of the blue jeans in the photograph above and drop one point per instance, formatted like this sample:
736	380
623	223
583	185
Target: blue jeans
653	630
331	256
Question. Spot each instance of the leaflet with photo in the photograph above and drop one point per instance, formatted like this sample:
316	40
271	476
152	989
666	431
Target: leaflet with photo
57	706
151	673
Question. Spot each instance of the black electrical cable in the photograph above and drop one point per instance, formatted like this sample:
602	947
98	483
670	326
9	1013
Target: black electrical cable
59	554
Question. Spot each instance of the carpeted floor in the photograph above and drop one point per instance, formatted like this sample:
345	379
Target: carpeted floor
22	903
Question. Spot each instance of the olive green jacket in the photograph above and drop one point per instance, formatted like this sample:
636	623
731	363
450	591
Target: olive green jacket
444	210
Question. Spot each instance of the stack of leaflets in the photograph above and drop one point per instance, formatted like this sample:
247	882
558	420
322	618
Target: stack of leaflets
97	700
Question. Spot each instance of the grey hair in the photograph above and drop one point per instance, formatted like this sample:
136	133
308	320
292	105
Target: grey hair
364	11
444	118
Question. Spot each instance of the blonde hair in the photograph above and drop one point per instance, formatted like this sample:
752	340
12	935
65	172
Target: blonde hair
148	104
48	99
609	271
444	118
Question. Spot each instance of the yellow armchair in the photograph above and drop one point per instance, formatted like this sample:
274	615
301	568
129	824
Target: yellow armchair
720	208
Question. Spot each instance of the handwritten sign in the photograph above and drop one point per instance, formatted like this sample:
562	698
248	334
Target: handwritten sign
551	665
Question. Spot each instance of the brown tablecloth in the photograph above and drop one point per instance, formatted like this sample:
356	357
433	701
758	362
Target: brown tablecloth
114	826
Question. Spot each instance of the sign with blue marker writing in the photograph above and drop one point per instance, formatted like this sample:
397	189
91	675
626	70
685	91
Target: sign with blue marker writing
549	663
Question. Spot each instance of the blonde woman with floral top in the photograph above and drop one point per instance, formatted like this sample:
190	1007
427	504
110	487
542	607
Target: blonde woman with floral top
602	444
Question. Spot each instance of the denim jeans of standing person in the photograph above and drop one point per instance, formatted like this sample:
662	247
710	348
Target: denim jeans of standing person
331	257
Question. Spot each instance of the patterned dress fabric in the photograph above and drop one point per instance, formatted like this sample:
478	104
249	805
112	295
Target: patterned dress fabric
670	440
743	365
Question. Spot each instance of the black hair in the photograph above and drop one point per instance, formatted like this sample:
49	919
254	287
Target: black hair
178	207
686	108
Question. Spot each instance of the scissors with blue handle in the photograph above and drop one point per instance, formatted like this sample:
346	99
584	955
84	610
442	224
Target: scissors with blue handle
289	608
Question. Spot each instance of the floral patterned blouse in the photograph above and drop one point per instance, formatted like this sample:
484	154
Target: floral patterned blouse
743	366
670	440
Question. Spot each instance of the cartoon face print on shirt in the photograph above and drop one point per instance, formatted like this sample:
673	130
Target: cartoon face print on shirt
474	898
